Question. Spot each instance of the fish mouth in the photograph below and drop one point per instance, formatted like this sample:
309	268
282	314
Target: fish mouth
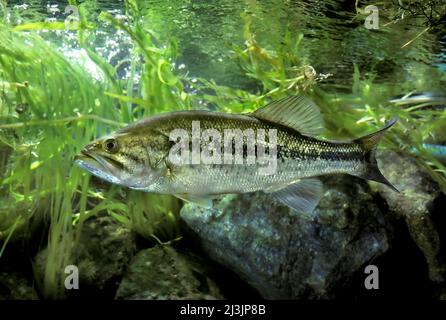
105	161
100	166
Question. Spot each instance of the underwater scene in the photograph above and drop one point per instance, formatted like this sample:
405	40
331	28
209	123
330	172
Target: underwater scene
218	150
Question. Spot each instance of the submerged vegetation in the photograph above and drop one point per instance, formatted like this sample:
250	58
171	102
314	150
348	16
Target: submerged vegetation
432	11
50	107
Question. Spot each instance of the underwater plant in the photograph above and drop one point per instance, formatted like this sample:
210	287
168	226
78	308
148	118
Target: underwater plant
49	109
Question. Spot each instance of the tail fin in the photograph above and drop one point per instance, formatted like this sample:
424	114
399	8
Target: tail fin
369	143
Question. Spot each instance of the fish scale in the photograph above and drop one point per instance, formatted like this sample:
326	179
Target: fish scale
299	157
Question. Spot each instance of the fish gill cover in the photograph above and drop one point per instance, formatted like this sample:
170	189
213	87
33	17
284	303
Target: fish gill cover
72	72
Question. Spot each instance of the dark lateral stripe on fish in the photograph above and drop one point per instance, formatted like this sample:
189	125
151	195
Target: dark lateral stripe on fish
304	148
320	150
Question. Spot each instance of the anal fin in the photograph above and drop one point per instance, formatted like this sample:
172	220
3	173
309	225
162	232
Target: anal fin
204	201
302	196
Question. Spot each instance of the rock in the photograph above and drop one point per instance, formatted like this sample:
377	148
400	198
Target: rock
163	273
441	295
13	286
103	252
420	204
286	255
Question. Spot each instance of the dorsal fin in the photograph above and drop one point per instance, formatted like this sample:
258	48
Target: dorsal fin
296	112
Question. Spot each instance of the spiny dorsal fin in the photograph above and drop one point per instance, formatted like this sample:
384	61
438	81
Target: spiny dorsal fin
296	112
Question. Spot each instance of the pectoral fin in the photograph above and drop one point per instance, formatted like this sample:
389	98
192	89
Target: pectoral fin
302	196
204	201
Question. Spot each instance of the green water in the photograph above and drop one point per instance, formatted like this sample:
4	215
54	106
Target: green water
60	89
206	31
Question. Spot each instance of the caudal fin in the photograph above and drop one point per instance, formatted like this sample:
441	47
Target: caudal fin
370	143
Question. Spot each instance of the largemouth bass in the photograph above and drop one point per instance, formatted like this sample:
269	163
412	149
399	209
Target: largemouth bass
195	155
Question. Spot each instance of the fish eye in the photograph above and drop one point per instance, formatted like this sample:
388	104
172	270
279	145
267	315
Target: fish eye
111	145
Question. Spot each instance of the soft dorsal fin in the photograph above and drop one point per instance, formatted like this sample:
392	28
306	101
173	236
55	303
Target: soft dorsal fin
296	112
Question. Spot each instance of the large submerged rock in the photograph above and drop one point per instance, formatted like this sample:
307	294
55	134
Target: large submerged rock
286	255
163	273
104	250
421	204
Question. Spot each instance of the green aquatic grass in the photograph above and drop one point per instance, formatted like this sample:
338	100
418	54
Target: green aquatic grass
39	172
48	129
50	108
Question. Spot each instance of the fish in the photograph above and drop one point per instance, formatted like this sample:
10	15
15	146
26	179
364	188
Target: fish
426	100
437	150
218	155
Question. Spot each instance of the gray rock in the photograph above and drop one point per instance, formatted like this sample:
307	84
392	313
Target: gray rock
163	273
104	250
14	286
418	204
286	255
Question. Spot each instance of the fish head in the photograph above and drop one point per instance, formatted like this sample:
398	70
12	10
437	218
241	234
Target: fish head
120	159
